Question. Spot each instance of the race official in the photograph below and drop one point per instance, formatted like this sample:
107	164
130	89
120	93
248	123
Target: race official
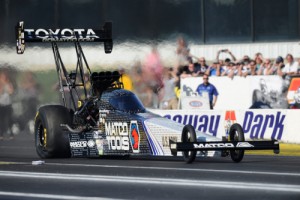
210	89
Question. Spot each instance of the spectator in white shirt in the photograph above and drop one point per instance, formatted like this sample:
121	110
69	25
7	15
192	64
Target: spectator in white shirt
290	68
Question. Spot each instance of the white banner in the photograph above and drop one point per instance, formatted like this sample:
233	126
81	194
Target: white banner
276	124
241	92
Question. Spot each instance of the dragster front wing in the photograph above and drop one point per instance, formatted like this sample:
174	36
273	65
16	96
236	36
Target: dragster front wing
224	145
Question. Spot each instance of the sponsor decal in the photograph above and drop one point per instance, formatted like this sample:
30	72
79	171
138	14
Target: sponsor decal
134	137
102	116
117	135
78	144
100	143
166	140
223	145
230	119
96	135
213	145
91	143
62	35
257	124
297	96
195	104
244	144
204	123
293	94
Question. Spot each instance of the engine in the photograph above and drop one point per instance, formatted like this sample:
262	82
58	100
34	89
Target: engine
87	114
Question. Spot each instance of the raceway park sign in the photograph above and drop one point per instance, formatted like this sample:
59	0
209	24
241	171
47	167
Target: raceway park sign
276	124
241	93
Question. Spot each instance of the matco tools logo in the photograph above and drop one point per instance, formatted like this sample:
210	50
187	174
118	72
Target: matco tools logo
214	145
117	135
223	145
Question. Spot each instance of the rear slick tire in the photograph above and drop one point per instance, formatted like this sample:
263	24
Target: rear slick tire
236	133
50	139
188	135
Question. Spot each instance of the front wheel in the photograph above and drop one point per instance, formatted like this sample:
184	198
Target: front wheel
188	135
236	133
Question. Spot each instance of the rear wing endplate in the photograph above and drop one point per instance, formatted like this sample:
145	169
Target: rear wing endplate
63	35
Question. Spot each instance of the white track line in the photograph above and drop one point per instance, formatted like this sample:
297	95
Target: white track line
156	181
171	169
50	196
180	169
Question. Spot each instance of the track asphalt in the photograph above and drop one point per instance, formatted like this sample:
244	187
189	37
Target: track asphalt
256	177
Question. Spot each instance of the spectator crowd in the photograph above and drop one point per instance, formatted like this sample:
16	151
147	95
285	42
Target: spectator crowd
18	101
159	86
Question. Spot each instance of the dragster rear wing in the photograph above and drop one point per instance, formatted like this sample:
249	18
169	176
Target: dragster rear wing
63	35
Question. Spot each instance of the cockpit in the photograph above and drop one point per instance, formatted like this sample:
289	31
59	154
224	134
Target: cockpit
125	101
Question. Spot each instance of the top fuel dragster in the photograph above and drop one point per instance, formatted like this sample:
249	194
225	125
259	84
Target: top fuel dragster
108	120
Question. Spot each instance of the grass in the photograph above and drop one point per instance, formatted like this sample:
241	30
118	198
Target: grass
285	150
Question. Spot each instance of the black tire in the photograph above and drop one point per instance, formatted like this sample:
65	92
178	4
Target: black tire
188	135
236	133
50	141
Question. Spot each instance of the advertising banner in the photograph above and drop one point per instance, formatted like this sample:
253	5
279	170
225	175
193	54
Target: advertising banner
244	93
279	124
194	102
293	95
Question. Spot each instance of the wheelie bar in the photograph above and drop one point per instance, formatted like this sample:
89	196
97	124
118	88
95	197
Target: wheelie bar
224	145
